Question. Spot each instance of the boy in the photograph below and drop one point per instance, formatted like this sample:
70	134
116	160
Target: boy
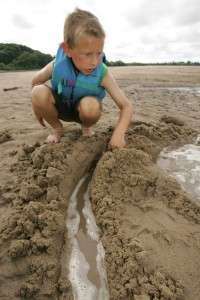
79	80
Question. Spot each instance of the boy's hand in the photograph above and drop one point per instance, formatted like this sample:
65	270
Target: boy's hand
117	141
126	111
35	82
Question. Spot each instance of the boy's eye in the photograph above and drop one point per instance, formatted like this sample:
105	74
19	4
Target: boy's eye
91	54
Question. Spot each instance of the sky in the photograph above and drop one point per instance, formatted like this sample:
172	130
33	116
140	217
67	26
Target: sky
136	30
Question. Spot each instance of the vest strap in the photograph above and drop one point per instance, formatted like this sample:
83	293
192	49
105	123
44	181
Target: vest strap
60	87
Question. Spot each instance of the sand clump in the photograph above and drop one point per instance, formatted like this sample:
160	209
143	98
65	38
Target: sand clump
5	136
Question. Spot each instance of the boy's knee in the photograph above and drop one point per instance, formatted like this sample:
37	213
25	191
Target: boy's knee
90	108
40	95
37	91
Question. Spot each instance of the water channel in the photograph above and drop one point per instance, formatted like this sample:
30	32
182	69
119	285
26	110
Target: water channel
86	267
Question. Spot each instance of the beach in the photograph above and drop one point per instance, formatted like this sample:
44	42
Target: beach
149	225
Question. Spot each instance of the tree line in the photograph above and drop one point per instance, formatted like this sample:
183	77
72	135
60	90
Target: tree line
173	63
20	57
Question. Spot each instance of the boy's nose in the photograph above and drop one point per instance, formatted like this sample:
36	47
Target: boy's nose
94	60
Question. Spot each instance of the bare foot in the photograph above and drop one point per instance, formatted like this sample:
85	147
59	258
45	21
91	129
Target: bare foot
55	137
87	131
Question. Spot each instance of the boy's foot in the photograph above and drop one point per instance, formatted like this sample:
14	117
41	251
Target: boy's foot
87	131
55	137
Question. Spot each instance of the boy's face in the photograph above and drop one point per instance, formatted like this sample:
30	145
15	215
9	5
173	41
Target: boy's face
87	53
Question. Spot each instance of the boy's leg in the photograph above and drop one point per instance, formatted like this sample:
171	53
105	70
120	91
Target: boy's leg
43	104
89	110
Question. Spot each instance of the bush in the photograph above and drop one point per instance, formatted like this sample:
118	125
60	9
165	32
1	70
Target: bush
19	57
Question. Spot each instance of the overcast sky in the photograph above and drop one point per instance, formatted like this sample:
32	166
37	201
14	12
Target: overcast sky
136	30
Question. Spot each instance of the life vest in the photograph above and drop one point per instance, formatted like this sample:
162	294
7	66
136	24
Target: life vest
73	85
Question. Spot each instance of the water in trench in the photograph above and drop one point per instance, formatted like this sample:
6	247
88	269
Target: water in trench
194	90
187	89
184	164
86	267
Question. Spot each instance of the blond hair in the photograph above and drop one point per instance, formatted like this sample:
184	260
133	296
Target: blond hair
79	23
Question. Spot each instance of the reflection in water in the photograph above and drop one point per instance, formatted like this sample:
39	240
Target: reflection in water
188	89
195	90
184	164
86	268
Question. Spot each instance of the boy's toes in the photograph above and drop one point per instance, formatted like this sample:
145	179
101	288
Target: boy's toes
52	139
87	131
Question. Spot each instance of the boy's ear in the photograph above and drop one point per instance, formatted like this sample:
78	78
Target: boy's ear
66	48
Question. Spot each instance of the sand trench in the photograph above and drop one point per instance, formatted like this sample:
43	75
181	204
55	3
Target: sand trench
32	232
86	266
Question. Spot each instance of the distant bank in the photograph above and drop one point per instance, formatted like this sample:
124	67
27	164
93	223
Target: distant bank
19	57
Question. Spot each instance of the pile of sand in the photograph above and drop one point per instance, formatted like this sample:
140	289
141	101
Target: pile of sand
150	228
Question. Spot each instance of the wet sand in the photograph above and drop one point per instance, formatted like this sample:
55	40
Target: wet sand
149	226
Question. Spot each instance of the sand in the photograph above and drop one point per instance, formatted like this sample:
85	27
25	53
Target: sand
149	226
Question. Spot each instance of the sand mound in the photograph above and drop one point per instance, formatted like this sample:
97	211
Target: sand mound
150	228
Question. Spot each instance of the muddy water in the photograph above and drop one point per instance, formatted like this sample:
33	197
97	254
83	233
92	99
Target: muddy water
193	90
184	164
86	267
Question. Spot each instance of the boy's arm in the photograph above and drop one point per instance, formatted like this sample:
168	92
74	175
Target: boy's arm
43	75
126	111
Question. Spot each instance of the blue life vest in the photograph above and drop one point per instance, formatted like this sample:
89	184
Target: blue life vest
72	85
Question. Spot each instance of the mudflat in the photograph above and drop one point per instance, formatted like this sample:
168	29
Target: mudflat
150	226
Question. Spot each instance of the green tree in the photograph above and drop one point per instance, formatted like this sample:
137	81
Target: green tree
20	57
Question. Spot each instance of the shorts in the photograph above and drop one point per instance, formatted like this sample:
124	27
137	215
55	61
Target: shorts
67	110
